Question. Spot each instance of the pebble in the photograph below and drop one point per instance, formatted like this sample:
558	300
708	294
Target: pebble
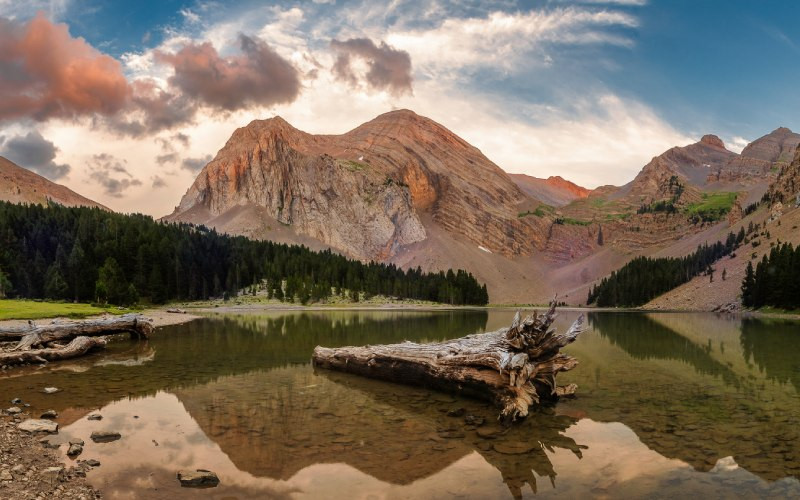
105	436
16	401
49	414
92	462
95	416
6	476
199	478
51	390
457	412
74	450
13	410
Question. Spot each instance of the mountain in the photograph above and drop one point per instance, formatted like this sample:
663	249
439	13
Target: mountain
402	188
19	185
554	190
777	146
369	193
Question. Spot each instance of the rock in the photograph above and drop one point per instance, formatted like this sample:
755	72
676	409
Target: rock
92	462
18	469
6	476
199	478
515	447
488	432
51	475
95	416
13	410
16	401
77	441
474	420
105	436
51	390
75	450
49	414
457	412
34	425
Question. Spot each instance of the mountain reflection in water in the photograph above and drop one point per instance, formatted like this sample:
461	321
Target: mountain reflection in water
668	405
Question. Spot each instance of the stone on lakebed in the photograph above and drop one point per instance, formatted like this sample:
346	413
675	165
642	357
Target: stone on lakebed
199	478
38	425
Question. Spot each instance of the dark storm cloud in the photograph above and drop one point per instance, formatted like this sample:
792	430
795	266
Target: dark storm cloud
34	152
389	68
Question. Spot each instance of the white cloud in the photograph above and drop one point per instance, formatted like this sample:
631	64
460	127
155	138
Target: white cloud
736	144
502	39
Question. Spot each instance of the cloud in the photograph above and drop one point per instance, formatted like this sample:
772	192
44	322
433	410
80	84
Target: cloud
503	39
736	144
167	158
34	152
158	182
46	73
195	165
259	76
389	69
111	173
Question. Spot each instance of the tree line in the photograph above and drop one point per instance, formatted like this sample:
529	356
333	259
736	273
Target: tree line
775	280
644	278
91	255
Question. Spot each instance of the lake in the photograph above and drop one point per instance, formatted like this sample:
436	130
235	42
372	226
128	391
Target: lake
669	405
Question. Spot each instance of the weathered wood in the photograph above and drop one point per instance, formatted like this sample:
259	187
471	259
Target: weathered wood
77	347
35	335
515	367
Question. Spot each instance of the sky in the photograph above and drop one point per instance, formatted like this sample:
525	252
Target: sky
125	102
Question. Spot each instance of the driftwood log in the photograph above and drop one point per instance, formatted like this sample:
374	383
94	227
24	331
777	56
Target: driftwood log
514	367
68	339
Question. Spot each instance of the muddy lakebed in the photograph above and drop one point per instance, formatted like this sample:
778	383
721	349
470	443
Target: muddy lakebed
669	405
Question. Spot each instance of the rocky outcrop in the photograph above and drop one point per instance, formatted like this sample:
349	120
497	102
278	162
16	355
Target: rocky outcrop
19	185
554	190
777	146
364	192
786	188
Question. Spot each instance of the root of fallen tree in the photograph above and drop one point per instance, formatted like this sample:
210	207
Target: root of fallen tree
67	339
514	367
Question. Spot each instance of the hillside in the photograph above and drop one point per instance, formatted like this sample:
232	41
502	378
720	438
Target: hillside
554	190
19	185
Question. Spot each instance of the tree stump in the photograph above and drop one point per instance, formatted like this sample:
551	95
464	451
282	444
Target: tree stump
513	367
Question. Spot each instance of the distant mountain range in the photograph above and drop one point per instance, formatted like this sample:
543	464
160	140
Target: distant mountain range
404	189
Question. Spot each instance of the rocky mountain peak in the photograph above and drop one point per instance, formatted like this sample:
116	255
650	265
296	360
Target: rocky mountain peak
713	141
777	146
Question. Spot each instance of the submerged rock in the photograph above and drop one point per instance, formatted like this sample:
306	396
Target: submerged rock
75	449
95	416
51	390
199	478
49	414
105	436
36	425
13	410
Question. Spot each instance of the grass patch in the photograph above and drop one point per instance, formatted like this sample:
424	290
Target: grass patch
540	211
572	222
613	217
30	309
712	207
351	165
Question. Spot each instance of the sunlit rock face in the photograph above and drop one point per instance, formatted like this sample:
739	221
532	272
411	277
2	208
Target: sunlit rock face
365	192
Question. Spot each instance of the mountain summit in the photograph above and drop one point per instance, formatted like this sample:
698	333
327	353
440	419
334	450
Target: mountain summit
19	185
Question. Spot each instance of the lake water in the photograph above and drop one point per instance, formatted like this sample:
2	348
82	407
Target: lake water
668	406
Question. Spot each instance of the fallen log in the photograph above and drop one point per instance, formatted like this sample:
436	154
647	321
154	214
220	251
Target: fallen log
514	367
40	335
77	347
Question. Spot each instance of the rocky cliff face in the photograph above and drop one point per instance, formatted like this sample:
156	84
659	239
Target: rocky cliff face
786	188
19	185
777	146
365	192
554	190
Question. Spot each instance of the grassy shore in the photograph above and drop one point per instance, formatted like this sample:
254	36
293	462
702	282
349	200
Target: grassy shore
30	309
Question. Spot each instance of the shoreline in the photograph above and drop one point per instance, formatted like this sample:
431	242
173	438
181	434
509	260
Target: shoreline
190	312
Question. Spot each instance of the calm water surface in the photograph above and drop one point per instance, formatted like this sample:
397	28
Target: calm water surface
669	405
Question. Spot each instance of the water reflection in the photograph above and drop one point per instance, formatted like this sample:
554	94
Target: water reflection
669	405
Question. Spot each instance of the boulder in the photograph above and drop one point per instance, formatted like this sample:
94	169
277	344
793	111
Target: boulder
199	478
105	436
38	425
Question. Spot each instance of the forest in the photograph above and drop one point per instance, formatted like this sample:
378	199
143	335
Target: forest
644	278
775	281
91	255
